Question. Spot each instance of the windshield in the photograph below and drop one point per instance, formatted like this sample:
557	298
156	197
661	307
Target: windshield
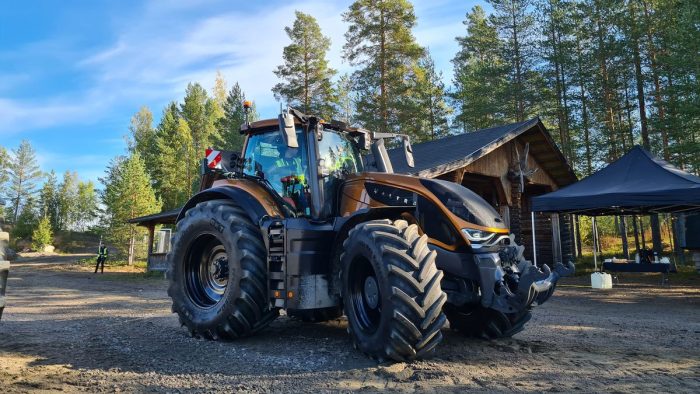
339	154
286	169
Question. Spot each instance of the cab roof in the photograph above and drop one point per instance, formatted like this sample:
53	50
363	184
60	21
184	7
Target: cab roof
261	125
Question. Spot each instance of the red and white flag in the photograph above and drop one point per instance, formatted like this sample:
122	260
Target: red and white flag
213	158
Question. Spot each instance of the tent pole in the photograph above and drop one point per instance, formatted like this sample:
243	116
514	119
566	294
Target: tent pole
595	246
534	246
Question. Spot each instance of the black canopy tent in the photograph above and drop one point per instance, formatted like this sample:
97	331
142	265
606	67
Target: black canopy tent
636	183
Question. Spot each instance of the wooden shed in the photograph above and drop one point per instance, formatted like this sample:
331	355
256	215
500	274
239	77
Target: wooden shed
506	165
156	258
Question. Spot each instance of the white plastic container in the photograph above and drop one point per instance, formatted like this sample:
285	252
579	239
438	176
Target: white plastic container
601	280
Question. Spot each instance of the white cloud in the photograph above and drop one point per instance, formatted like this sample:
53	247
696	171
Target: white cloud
157	50
20	115
246	47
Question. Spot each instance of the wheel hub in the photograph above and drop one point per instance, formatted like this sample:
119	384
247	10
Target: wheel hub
220	266
207	271
371	292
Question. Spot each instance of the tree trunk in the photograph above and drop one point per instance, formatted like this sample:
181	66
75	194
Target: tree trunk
607	96
640	83
382	70
623	233
636	233
584	116
577	236
519	105
657	85
131	249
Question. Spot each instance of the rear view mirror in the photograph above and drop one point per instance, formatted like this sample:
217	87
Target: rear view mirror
408	151
288	130
365	139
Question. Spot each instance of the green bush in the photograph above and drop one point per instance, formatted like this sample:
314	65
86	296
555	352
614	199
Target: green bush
42	235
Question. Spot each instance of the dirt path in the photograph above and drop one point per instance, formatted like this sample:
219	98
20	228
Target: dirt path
66	329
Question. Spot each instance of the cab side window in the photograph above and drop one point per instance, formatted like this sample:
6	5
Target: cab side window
339	157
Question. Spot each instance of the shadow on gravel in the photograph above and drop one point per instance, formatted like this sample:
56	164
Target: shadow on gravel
100	326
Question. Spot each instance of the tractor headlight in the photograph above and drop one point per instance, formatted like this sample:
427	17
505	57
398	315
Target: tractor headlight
477	235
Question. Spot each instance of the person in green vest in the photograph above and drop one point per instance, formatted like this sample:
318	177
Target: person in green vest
102	253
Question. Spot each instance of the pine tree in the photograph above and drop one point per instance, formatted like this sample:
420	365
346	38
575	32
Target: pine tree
24	174
515	23
26	221
229	125
48	200
127	194
305	72
179	162
479	74
219	91
345	96
42	235
67	195
198	110
4	164
558	48
428	117
143	136
379	40
86	205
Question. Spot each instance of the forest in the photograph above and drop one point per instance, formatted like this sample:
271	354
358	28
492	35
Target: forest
603	75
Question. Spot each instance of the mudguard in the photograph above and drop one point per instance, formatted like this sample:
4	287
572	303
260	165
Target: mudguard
252	206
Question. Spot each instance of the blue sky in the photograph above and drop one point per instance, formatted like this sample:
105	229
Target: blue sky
72	73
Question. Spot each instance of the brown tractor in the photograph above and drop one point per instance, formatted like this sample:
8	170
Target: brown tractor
312	219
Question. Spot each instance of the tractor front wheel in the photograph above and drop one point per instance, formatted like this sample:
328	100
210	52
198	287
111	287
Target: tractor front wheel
218	272
391	291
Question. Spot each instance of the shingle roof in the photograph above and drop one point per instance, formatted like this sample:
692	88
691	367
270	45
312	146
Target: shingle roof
437	157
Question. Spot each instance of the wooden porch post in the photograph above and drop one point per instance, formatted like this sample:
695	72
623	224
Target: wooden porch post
151	233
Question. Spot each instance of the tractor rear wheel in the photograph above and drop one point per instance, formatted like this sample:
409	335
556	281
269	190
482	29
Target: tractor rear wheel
391	291
486	323
218	272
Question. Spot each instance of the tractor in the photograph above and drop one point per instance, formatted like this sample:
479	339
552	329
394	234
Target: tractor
311	219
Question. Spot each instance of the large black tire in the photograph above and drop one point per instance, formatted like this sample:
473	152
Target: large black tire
231	301
486	323
391	291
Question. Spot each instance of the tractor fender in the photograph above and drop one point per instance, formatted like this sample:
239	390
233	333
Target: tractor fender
245	200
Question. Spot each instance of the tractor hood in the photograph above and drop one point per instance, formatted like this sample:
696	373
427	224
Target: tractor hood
464	203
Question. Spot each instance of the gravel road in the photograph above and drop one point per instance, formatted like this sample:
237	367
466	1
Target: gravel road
66	329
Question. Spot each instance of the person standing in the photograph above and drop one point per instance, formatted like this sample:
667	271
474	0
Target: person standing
102	253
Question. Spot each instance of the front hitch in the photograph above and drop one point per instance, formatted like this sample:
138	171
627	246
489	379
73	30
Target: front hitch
532	284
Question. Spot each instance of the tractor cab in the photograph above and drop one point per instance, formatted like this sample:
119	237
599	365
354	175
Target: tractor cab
330	153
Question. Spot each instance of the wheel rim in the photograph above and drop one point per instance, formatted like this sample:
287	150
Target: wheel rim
206	268
365	295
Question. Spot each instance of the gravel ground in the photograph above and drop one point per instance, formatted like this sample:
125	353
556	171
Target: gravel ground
66	329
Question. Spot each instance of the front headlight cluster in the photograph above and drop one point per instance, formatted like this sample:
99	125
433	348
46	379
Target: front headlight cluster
477	235
479	239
